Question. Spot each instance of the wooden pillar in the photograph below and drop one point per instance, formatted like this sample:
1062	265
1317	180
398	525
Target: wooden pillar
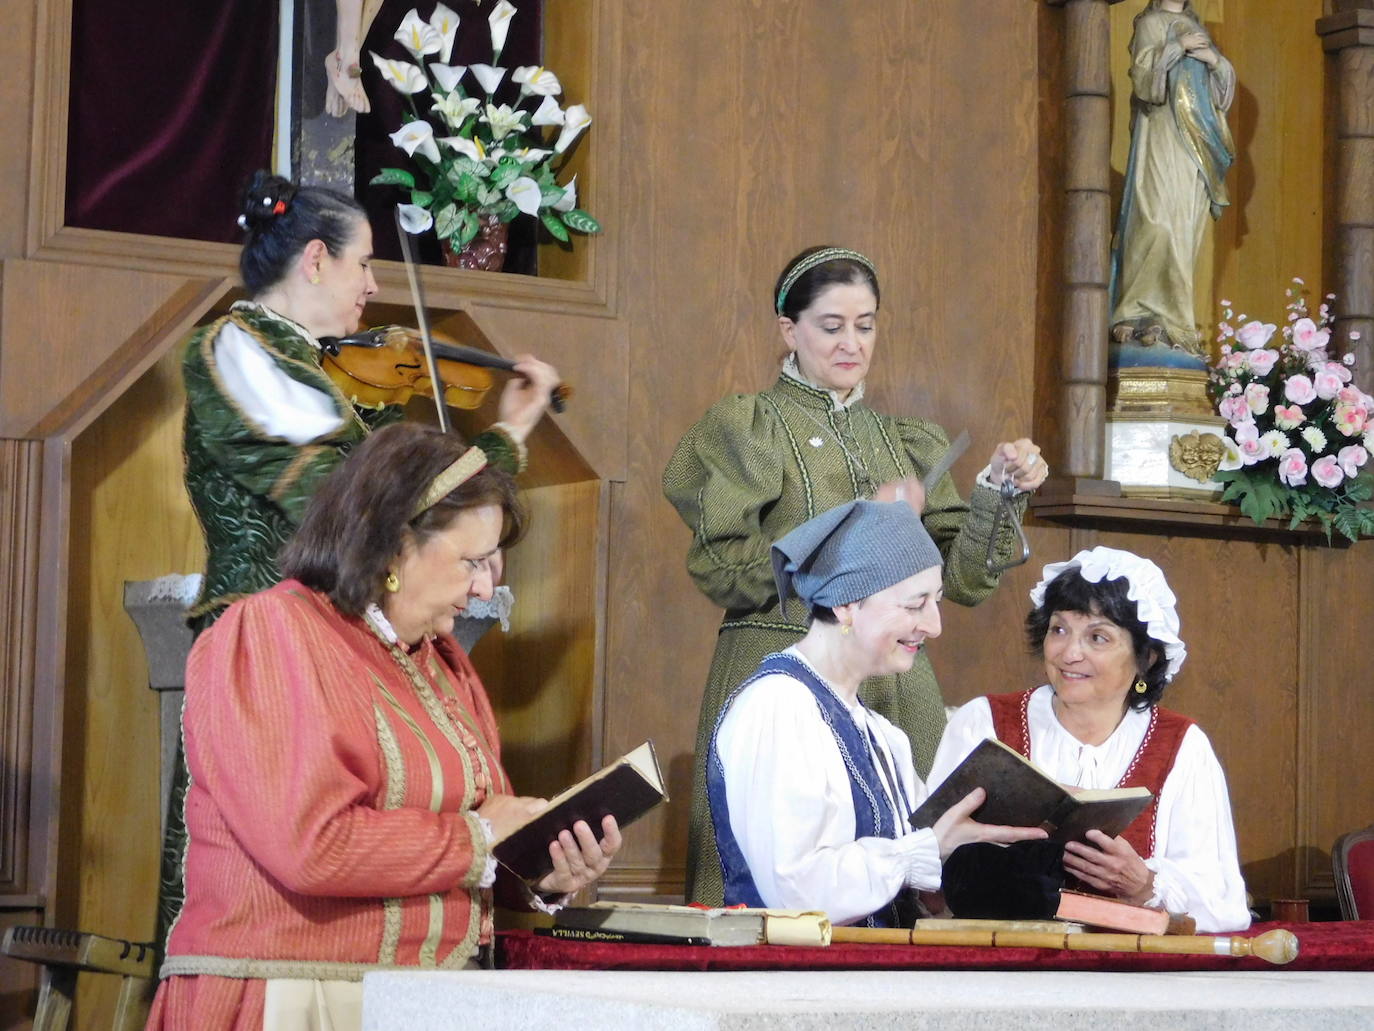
1348	33
1087	233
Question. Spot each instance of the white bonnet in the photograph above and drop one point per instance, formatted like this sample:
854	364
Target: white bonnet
1155	603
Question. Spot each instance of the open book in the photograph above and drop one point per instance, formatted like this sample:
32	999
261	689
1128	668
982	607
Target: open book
626	789
1020	794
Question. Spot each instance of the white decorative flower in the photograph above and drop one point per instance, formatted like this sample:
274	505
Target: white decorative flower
418	36
547	113
503	120
414	219
445	23
468	148
524	192
527	155
455	109
447	75
487	77
1275	443
416	136
403	76
536	80
1230	457
569	199
575	119
499	20
1315	438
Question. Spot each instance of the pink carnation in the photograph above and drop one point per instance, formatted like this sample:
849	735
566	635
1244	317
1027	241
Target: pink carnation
1351	457
1307	337
1340	371
1252	450
1299	390
1327	384
1327	471
1293	467
1350	419
1287	417
1235	409
1261	362
1254	335
1257	397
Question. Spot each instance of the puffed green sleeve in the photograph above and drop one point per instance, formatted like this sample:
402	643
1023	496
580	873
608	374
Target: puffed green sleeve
723	477
961	529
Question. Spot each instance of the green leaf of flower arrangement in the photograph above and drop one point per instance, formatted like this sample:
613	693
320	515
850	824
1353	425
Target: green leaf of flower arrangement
505	173
487	197
553	225
550	195
467	229
447	221
506	210
469	186
393	177
580	221
421	198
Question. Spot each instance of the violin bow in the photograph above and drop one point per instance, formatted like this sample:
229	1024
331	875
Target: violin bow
417	298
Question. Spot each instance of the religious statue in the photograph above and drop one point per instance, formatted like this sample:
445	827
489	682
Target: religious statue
1181	148
343	70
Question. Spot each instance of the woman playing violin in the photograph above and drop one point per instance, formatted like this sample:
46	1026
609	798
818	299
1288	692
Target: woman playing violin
264	423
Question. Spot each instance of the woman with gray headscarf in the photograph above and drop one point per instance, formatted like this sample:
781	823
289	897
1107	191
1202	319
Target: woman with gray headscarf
810	789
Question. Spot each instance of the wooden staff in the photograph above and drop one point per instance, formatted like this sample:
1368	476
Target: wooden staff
1278	946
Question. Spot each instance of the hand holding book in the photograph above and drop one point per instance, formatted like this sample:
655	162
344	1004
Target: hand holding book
958	827
577	856
1110	865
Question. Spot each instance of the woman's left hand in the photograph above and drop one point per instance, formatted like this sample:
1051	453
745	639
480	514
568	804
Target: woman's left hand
1019	459
578	858
525	398
1110	865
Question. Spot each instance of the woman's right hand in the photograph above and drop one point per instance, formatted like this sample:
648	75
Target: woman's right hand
958	827
507	812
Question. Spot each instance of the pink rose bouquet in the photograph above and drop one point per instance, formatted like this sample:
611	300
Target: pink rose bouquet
1299	431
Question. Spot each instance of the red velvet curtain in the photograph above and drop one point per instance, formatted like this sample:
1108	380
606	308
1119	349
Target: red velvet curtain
171	112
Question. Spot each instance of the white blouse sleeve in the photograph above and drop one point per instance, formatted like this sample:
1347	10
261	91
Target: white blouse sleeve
970	724
793	816
1195	864
281	406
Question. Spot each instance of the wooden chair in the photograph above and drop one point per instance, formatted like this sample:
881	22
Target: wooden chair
64	954
1352	862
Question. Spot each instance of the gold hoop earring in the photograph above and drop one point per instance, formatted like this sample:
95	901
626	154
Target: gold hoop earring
845	628
393	582
1140	686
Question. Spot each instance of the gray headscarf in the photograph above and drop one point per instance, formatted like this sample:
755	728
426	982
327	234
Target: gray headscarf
850	552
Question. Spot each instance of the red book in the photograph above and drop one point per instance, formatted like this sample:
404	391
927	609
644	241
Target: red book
1099	911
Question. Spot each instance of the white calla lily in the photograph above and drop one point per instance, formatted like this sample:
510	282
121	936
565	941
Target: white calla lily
445	22
499	20
416	137
503	120
414	219
468	148
418	36
575	119
455	109
536	80
447	75
569	199
404	76
530	155
547	113
487	76
524	193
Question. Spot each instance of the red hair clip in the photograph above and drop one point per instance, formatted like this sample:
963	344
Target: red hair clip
279	208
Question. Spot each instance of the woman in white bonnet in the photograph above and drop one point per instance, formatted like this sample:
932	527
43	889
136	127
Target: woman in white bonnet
1106	625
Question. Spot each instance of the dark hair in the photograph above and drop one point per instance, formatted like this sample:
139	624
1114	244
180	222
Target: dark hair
813	282
1070	592
281	218
356	523
823	614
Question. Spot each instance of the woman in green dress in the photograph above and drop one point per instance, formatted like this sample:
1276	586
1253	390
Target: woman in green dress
758	465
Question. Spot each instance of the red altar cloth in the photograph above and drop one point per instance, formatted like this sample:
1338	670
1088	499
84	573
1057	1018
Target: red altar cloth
1342	945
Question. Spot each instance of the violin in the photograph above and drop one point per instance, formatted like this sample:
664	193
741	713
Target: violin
386	366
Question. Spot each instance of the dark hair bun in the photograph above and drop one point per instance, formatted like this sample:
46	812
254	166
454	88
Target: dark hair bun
266	197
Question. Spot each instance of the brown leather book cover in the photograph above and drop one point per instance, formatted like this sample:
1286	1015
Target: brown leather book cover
1115	915
1022	795
626	789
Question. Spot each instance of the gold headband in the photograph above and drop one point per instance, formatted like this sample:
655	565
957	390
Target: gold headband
820	257
469	464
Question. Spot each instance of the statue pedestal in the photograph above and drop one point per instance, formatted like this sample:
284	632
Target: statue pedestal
1163	438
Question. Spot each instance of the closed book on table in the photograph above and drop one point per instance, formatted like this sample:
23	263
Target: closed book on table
626	789
1115	915
695	925
1020	794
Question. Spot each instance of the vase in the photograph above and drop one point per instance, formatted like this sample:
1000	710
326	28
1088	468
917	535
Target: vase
485	251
